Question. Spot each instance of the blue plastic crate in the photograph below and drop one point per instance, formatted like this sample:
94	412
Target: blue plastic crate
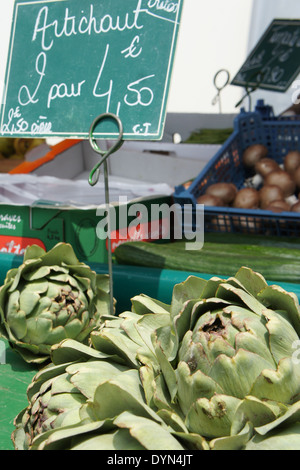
279	135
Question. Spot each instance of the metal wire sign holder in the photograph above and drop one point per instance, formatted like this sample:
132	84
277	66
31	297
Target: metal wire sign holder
94	178
220	88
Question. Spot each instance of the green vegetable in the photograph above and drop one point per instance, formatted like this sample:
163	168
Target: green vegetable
50	297
252	239
217	369
280	264
209	136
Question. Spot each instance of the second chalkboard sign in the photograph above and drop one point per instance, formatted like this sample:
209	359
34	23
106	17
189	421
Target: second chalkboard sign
275	61
70	61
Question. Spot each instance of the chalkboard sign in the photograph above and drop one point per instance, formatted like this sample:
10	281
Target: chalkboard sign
275	61
70	61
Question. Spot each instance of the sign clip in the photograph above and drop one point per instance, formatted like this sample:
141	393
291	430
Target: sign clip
94	178
217	98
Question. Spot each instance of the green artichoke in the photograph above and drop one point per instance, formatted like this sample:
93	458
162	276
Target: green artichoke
215	370
50	297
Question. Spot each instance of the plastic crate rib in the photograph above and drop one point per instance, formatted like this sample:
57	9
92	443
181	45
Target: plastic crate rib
280	136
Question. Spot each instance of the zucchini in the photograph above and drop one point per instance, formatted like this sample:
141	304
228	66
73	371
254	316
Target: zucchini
252	239
275	264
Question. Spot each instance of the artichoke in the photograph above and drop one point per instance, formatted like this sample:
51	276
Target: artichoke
50	297
215	370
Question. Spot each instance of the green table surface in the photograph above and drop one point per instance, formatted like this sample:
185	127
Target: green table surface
16	375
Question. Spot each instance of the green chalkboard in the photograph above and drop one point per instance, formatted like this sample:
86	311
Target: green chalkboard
72	60
275	61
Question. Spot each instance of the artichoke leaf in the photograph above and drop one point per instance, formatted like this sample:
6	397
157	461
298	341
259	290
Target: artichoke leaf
236	375
287	301
252	343
282	334
182	321
150	434
61	438
61	251
71	350
235	442
119	394
166	368
161	396
173	421
15	322
281	385
193	353
281	439
203	306
59	384
291	416
192	441
252	281
117	440
239	296
255	411
85	377
190	289
38	287
31	353
149	323
76	329
115	343
212	418
246	321
211	287
44	376
59	403
143	304
36	274
148	382
40	331
32	252
193	386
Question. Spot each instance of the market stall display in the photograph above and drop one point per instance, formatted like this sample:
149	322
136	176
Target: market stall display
114	334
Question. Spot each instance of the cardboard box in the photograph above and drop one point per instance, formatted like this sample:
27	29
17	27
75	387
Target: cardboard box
140	161
83	224
46	225
159	162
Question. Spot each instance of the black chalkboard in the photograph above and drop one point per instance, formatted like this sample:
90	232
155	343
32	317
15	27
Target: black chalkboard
73	60
275	61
